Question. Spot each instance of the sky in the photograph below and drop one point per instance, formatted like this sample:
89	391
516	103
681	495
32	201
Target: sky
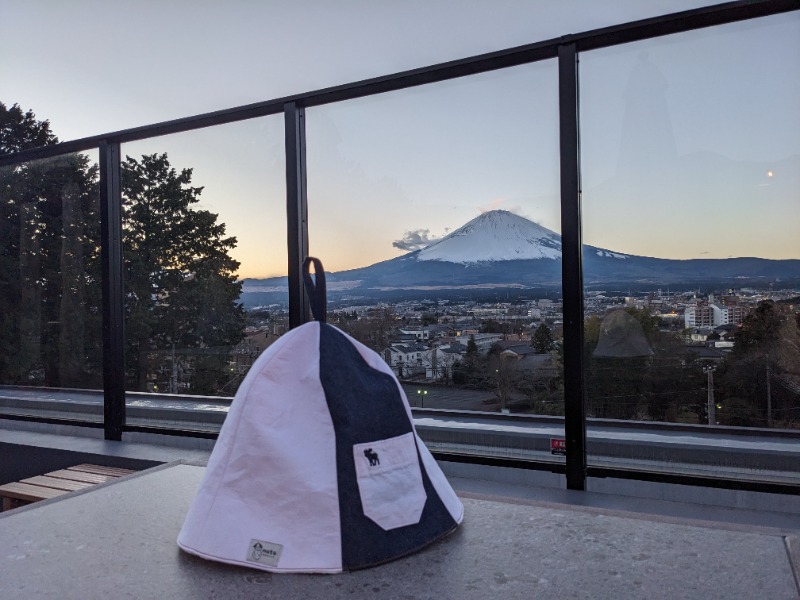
690	144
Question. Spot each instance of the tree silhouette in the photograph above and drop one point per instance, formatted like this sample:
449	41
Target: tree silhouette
181	288
49	261
472	349
758	382
542	339
759	331
180	284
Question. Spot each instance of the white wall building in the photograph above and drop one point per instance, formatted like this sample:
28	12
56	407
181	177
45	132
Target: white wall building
713	315
407	360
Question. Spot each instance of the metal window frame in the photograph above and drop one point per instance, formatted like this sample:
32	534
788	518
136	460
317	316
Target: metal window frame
296	211
572	267
660	26
565	50
113	290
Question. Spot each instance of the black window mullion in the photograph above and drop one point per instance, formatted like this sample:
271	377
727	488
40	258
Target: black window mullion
113	299
572	268
296	211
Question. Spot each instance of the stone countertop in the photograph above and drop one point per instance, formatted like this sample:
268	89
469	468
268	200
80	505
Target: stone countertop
118	540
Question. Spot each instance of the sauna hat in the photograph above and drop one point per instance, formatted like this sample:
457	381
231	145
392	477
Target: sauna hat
318	467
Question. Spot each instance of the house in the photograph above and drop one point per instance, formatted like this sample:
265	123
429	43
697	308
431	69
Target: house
440	360
699	335
484	341
407	360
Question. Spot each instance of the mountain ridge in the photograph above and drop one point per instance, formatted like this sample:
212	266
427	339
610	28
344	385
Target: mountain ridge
500	249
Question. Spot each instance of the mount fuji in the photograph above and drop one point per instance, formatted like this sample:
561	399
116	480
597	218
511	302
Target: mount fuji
499	249
495	236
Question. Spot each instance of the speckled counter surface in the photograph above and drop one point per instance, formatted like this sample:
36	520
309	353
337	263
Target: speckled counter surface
118	541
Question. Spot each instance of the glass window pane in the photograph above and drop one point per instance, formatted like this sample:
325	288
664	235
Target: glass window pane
204	221
691	174
50	305
437	211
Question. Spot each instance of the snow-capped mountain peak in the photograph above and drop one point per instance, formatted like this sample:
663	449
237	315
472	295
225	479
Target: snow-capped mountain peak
497	235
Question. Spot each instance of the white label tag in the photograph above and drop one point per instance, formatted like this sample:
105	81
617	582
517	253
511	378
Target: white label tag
265	553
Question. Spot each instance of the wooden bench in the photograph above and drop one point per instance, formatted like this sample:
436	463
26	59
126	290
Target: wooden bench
57	483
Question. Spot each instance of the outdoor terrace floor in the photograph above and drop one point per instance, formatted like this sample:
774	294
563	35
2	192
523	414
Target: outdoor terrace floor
118	540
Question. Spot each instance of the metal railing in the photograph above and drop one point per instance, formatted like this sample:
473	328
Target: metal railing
565	50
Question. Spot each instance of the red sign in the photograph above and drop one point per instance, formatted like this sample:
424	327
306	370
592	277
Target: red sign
558	446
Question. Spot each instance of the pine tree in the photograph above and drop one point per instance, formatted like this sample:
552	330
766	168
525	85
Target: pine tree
180	278
542	339
472	349
22	131
49	261
181	289
759	331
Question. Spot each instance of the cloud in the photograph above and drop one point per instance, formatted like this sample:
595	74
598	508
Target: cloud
414	240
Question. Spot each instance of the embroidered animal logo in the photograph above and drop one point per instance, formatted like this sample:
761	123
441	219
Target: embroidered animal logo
373	457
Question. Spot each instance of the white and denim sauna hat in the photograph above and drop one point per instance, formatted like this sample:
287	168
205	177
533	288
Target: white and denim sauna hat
318	467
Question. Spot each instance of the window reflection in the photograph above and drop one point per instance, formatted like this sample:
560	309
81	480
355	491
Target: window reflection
50	312
691	232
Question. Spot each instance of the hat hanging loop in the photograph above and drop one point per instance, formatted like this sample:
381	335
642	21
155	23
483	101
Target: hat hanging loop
317	293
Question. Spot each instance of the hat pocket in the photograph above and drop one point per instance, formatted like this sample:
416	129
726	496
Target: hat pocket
390	481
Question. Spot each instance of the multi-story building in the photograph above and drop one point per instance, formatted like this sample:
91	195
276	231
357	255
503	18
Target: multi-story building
713	314
699	316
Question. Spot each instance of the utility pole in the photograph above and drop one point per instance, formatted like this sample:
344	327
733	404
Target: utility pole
769	397
173	380
712	407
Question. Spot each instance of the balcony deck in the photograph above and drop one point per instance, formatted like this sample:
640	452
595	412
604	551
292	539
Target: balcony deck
119	539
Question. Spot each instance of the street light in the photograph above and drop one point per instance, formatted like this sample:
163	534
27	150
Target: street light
421	395
504	378
712	408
